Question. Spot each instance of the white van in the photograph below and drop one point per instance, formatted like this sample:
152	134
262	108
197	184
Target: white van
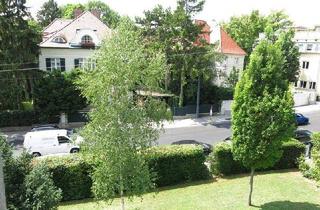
48	142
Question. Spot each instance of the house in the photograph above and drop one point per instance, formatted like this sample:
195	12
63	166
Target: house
307	88
70	43
233	54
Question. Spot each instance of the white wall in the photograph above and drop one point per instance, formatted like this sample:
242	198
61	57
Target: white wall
68	54
304	98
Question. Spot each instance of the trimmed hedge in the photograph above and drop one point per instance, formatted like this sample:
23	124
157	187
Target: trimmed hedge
172	165
71	174
222	162
175	164
18	118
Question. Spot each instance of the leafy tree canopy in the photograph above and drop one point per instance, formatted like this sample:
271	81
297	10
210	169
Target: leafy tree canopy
48	12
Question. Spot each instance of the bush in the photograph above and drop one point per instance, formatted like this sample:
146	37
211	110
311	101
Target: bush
222	163
41	193
175	164
171	164
71	174
18	118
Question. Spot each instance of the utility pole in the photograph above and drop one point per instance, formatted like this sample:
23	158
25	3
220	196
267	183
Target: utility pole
3	205
198	97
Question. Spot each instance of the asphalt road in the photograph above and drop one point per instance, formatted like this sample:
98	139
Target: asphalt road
210	133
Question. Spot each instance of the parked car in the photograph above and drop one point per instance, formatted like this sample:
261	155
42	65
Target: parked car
207	148
303	136
48	142
45	127
301	120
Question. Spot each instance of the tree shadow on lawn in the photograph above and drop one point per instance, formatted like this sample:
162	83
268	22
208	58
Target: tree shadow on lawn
283	205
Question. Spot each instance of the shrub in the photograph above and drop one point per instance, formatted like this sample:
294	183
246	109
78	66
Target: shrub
71	174
222	162
41	193
18	118
171	164
175	164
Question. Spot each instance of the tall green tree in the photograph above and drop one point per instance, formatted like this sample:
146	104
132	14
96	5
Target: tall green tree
122	123
110	17
245	30
67	10
18	53
56	93
48	12
262	112
175	33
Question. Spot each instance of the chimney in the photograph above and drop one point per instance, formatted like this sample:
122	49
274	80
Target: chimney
96	13
77	12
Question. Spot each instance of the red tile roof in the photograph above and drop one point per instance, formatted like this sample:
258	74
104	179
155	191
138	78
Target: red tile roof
228	45
205	31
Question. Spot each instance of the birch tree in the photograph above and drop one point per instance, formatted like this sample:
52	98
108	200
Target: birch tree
122	123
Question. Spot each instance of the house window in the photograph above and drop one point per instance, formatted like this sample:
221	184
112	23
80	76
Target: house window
309	47
55	63
305	64
84	63
303	84
312	85
300	46
86	39
59	39
236	60
296	83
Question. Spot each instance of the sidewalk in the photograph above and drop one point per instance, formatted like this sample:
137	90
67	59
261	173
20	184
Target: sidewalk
308	108
196	121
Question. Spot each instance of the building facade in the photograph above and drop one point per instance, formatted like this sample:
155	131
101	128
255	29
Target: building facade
68	44
232	54
308	42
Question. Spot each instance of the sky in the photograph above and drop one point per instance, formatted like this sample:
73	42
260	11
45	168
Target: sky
302	13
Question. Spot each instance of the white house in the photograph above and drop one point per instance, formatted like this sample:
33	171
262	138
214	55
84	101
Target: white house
233	54
67	43
307	87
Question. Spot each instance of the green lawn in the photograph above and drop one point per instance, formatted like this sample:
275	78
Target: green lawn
273	190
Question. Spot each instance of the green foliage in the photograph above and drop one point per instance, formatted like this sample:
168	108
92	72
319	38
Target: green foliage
20	118
110	17
245	30
176	164
122	123
41	193
169	165
222	160
27	105
48	12
15	171
71	174
174	33
20	48
262	111
67	10
55	93
233	78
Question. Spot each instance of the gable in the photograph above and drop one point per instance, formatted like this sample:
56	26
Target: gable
73	30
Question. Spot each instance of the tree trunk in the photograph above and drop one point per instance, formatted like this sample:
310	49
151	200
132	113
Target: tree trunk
122	200
2	186
198	98
251	186
182	78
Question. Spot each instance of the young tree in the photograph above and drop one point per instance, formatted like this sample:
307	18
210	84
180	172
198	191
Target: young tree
48	12
262	112
122	123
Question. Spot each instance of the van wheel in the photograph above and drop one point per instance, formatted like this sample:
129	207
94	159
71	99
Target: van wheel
74	150
36	154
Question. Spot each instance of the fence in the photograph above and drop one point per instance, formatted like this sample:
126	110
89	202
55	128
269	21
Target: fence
191	109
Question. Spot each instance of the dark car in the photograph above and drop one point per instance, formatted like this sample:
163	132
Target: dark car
207	148
303	136
44	127
301	120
